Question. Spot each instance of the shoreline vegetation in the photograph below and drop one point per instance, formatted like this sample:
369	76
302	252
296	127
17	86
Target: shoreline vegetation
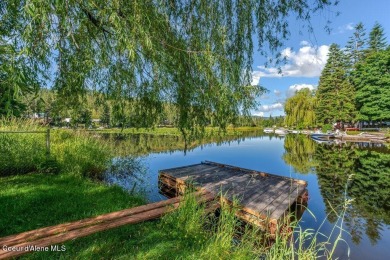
66	187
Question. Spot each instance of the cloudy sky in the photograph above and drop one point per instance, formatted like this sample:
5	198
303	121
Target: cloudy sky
306	54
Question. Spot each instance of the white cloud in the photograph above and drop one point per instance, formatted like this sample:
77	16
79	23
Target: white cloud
277	93
255	78
346	27
304	43
307	62
264	97
296	87
258	114
267	108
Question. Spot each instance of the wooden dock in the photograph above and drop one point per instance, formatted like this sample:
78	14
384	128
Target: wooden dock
265	199
373	138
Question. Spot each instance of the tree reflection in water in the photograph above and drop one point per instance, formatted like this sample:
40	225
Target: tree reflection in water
369	165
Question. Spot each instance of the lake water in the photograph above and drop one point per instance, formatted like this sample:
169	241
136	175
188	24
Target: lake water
334	173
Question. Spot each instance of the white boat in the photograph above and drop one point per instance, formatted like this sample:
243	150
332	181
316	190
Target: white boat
322	137
268	130
281	131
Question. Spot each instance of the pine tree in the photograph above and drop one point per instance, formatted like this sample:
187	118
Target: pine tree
105	118
335	94
356	45
377	39
372	81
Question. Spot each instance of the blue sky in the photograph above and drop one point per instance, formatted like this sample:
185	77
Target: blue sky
307	53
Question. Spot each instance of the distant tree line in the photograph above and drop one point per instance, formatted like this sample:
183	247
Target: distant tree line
95	110
354	84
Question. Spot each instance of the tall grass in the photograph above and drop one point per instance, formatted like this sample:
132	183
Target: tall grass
79	152
224	236
21	152
70	151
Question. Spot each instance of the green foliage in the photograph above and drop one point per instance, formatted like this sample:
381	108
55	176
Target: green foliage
105	118
355	83
356	45
195	55
327	127
377	39
371	79
18	77
335	94
299	109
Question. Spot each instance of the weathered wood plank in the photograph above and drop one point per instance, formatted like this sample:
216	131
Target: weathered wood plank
183	171
285	205
263	203
301	182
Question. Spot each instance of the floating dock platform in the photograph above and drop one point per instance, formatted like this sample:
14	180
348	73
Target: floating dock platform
264	199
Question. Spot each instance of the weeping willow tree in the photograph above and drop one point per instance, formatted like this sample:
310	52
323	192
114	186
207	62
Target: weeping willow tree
300	109
17	79
194	54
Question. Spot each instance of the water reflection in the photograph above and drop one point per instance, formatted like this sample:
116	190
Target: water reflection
299	153
367	164
143	144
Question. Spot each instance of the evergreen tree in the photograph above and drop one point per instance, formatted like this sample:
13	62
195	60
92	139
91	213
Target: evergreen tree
105	118
372	82
299	109
377	39
335	94
356	45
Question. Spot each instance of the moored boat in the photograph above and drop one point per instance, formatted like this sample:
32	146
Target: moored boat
281	131
318	136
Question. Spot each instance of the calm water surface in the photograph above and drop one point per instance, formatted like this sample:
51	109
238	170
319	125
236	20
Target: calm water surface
361	169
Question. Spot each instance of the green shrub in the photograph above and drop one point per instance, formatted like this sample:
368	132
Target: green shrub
327	127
